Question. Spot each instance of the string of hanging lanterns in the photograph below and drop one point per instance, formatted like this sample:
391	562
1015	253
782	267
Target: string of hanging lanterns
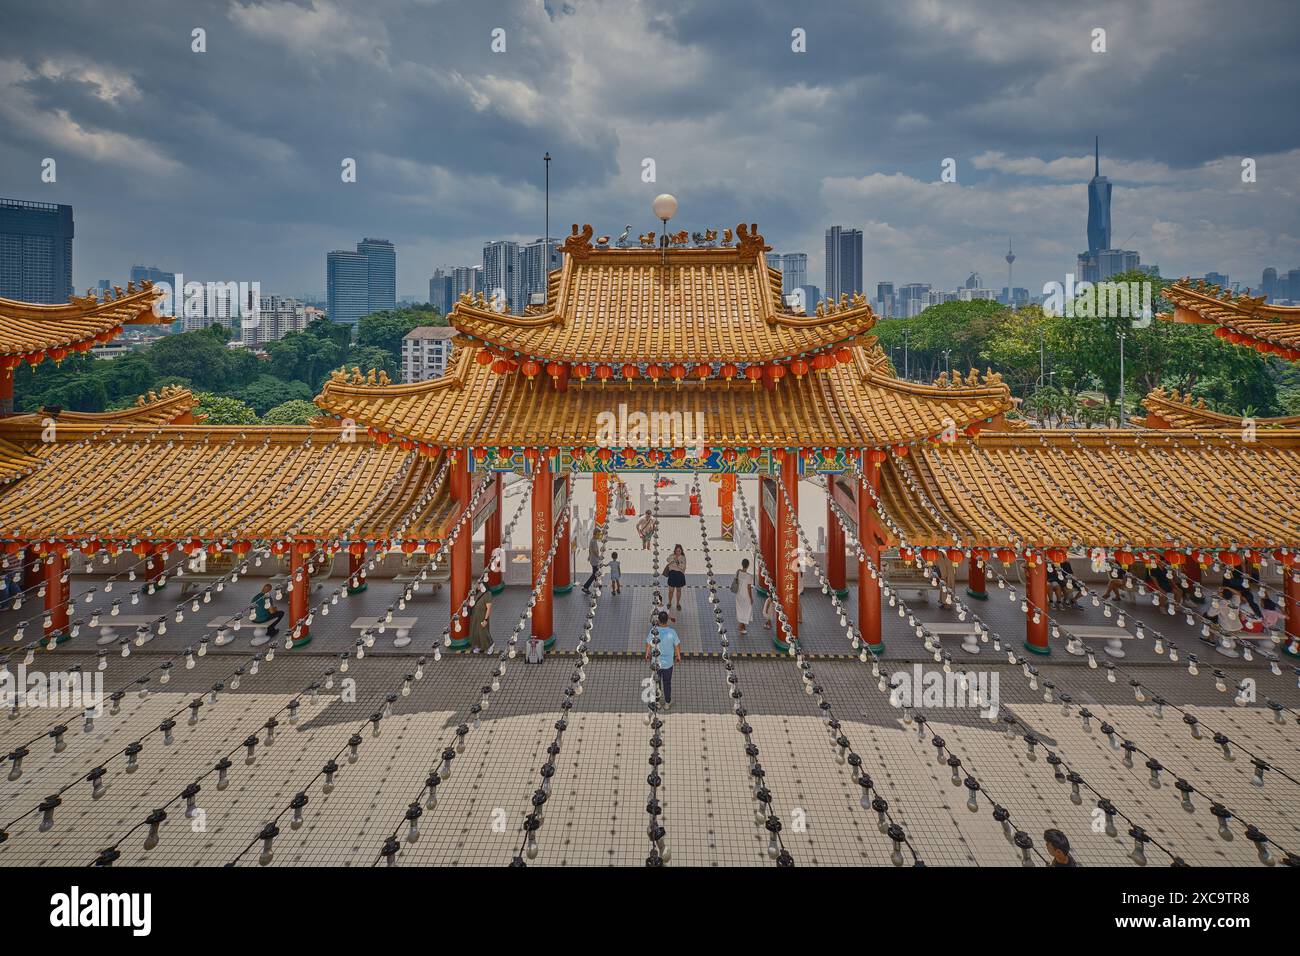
222	768
1141	837
533	821
427	799
660	851
842	748
760	789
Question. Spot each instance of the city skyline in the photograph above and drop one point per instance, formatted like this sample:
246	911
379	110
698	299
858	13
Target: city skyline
258	181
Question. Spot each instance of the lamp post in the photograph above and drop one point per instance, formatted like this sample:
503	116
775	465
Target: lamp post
1122	336
947	364
546	236
664	207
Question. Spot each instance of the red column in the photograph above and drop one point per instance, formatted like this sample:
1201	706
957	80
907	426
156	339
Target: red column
1036	582
562	568
1291	590
835	570
726	504
543	498
298	595
975	584
462	552
56	598
601	482
789	569
6	391
766	533
868	589
356	581
492	538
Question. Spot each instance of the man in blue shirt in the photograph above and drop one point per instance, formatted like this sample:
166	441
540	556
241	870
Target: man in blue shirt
670	652
264	611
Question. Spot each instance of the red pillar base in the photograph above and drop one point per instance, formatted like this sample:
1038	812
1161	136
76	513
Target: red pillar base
1036	580
975	583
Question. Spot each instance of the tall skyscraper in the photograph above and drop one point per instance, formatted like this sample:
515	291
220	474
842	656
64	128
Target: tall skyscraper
501	272
536	261
440	294
1098	205
277	316
347	286
793	267
843	261
466	279
885	299
381	274
35	251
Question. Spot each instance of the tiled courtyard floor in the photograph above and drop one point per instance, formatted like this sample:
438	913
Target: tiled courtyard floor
596	814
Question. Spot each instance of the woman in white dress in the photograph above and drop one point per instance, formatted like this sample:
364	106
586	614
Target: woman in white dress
743	587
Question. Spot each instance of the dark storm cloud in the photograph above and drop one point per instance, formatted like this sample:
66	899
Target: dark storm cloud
226	164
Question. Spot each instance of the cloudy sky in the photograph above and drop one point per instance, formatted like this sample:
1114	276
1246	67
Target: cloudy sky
226	164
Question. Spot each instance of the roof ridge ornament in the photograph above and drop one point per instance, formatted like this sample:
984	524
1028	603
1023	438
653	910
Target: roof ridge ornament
578	243
749	240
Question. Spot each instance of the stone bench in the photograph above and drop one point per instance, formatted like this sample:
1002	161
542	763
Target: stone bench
435	578
969	633
1113	636
109	627
402	625
232	622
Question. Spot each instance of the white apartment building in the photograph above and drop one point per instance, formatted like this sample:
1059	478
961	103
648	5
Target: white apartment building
277	316
426	352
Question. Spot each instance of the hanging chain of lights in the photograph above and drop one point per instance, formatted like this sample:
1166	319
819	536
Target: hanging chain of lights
842	748
1063	772
534	820
427	798
764	799
660	851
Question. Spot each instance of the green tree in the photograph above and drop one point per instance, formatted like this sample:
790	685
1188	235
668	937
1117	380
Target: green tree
296	412
223	410
959	329
367	357
267	391
198	356
386	329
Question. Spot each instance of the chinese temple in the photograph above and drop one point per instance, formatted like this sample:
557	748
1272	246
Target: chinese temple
654	359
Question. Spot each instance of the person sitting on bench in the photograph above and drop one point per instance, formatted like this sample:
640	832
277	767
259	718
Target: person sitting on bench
264	611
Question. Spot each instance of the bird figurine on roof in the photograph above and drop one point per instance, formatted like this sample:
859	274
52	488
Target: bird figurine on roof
622	239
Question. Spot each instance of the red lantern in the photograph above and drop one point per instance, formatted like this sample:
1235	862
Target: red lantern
955	555
408	547
1006	555
1231	558
357	548
822	361
582	371
431	547
929	555
603	372
754	373
58	353
1173	556
678	372
555	370
729	455
876	457
480	455
701	371
980	554
530	369
800	368
728	371
501	366
654	372
755	453
34	358
629	371
901	450
906	554
1057	555
406	444
774	371
1124	557
484	357
843	355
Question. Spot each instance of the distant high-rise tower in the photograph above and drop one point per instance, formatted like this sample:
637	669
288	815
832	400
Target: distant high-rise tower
347	286
843	261
35	251
501	272
1098	205
381	274
1010	257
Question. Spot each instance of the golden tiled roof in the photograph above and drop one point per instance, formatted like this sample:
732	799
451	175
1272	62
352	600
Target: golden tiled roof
174	405
849	405
14	462
116	483
1172	410
706	304
1099	488
1241	319
27	329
